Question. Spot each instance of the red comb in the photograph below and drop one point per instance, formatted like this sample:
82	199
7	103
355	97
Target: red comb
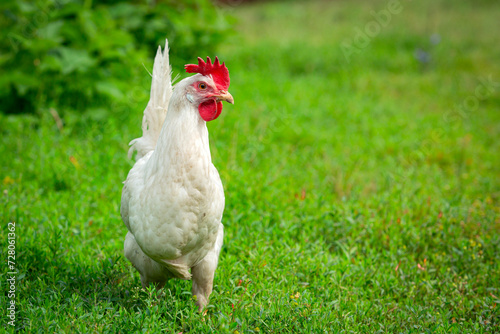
218	71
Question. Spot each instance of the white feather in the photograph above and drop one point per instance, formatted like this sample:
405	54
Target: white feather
156	109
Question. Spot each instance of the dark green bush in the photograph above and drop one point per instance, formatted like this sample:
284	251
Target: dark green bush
88	56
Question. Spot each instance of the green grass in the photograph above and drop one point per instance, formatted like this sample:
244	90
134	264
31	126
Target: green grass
357	198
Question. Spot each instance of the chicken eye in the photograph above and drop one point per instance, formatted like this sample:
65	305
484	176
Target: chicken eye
202	86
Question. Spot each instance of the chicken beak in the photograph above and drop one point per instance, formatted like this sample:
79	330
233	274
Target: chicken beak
225	96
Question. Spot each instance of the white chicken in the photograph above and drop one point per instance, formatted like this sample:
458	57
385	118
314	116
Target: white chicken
173	200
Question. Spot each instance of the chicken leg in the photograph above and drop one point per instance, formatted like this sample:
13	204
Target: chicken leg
203	273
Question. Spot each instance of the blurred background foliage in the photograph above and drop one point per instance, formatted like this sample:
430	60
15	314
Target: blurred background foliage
81	55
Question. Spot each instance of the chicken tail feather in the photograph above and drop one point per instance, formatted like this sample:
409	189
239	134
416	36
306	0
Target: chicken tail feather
156	110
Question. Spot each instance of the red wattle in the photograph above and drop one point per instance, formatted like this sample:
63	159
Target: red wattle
210	110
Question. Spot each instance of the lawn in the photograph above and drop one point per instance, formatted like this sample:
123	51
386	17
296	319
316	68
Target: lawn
361	170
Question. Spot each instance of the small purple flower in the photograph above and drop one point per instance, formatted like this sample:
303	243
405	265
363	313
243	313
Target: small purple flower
422	56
